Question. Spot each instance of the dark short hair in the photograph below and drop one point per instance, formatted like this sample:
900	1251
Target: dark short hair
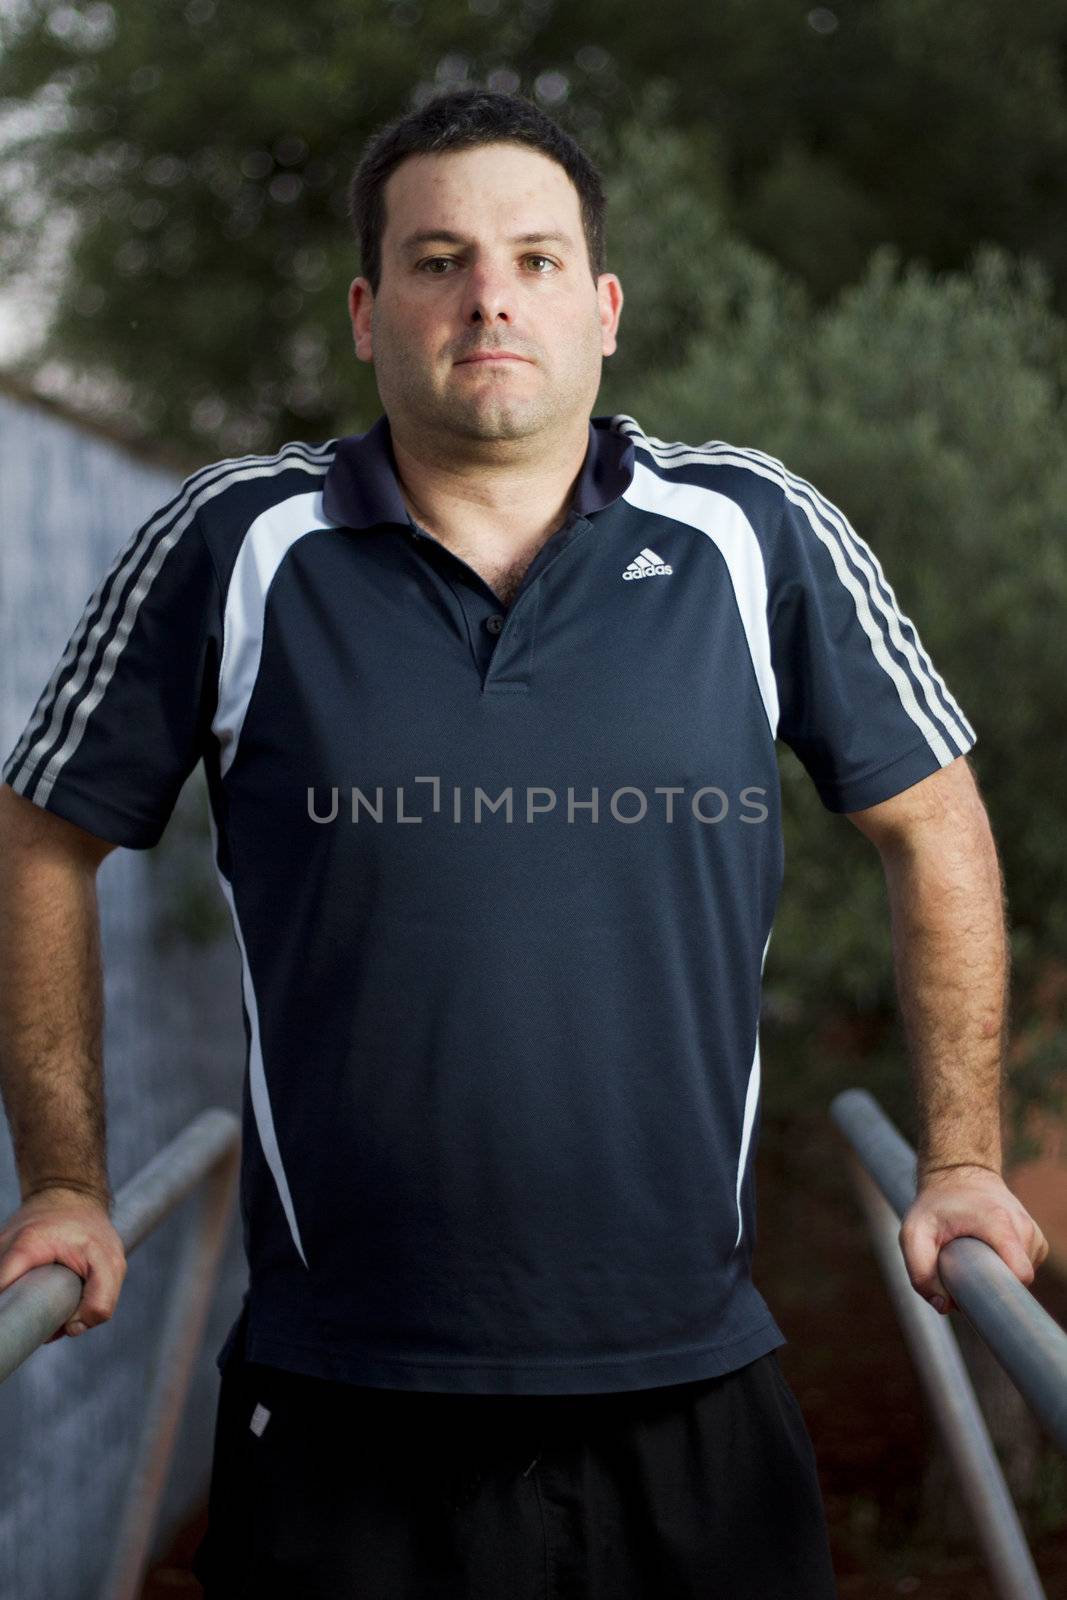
460	119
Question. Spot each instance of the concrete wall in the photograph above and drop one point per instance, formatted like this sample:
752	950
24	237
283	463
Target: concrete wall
174	1042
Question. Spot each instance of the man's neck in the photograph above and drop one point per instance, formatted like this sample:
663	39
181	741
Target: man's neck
498	507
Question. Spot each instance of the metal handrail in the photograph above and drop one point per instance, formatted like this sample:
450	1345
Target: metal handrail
1028	1343
203	1158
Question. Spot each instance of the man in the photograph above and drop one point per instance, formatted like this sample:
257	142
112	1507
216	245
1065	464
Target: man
487	700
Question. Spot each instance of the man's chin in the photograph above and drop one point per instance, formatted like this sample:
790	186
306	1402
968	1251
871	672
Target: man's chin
488	421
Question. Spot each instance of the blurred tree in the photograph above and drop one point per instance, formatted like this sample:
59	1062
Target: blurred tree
935	125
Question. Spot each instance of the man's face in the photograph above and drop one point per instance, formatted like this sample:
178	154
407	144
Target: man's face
441	299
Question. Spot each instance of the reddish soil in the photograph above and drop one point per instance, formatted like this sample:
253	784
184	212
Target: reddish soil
851	1372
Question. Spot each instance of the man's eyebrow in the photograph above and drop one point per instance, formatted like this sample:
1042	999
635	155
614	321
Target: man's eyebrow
443	236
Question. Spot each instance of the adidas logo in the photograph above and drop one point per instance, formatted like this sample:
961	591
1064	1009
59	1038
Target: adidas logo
647	565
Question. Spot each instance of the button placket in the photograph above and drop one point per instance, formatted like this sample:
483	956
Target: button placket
510	663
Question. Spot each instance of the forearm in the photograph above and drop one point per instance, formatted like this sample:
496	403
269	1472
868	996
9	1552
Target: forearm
51	1019
947	906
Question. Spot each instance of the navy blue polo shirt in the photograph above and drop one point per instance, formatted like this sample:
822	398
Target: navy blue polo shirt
502	879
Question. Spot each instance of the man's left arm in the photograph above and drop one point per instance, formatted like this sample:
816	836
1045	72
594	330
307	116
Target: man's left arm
951	955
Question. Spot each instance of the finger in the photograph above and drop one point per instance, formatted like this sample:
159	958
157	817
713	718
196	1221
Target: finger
99	1295
1008	1246
39	1246
1011	1250
100	1292
918	1246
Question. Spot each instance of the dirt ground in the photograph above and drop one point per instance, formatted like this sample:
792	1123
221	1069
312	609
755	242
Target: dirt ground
847	1363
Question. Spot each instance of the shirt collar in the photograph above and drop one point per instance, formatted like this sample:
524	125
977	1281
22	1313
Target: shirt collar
361	490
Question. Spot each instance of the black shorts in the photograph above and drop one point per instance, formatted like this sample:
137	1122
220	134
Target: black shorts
694	1491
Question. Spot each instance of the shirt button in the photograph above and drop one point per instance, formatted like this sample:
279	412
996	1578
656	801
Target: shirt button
494	623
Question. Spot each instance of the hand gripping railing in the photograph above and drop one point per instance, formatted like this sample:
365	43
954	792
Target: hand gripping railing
204	1157
1030	1346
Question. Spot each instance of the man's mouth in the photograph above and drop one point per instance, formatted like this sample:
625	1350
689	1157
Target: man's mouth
490	355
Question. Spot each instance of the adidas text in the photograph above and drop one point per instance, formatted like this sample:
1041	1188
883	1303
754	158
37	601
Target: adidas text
647	565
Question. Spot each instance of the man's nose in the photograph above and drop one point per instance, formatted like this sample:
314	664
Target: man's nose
489	293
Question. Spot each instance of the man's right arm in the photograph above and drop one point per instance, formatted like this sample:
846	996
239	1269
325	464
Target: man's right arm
51	1070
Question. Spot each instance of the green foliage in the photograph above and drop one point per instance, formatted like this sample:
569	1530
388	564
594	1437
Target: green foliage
931	124
689	282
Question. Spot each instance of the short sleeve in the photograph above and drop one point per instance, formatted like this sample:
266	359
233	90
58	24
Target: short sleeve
126	714
860	701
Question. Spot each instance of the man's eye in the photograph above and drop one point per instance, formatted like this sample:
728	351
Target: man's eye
436	260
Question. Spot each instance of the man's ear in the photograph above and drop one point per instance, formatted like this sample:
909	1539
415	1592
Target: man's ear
609	295
360	305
